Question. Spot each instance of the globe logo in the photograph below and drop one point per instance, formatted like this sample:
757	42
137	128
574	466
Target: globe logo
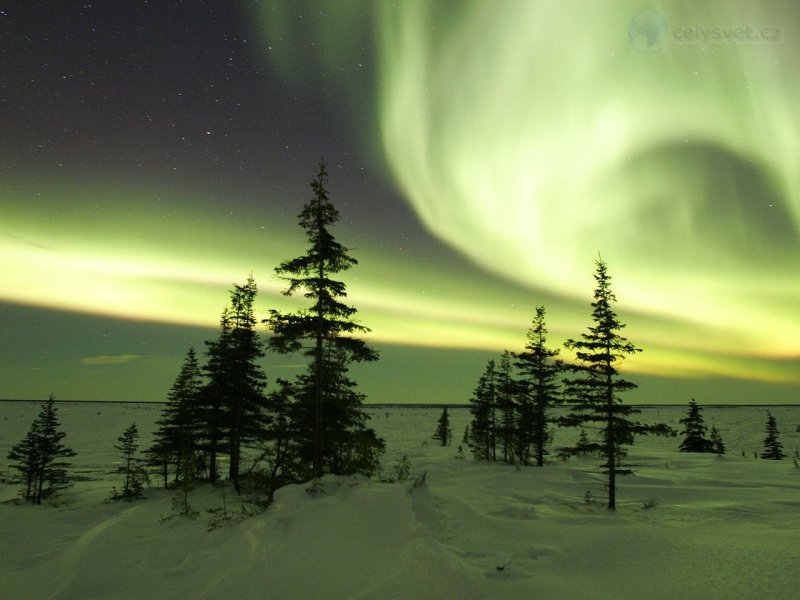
647	32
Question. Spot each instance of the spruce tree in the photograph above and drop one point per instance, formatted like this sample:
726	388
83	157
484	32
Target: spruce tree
212	406
773	449
328	402
54	470
506	405
176	439
246	403
717	445
25	459
134	474
583	446
179	432
539	390
443	433
39	456
232	404
482	428
694	431
349	445
596	385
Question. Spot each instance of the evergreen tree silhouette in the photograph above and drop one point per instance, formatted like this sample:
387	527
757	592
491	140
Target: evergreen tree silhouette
134	474
175	441
233	404
327	404
443	433
212	405
596	385
694	431
717	445
39	456
483	427
773	449
26	459
246	402
506	404
539	390
349	446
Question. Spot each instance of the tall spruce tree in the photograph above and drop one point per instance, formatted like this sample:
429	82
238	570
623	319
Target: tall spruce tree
483	407
328	404
39	457
212	405
233	403
443	433
246	403
694	431
538	390
773	449
176	439
506	405
596	383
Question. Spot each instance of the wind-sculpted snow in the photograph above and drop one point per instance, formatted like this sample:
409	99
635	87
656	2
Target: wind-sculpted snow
716	527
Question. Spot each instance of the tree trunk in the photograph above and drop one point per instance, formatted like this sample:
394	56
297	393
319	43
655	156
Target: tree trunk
38	484
540	427
318	417
611	445
236	444
212	463
318	355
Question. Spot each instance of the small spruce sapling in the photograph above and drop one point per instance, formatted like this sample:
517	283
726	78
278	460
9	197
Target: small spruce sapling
134	473
443	433
717	445
773	449
584	446
694	431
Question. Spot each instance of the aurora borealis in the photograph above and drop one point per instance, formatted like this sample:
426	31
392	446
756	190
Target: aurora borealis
481	154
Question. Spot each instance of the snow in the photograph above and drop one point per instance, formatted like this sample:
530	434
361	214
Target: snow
720	527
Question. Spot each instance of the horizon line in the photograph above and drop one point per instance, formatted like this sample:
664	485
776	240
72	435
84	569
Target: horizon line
417	404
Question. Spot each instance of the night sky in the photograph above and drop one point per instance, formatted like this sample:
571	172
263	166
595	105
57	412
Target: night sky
481	154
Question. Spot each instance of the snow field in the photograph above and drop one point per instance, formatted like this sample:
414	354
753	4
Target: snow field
723	527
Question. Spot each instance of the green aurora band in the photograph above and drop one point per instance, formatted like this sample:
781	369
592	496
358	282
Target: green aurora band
531	140
171	260
531	136
528	136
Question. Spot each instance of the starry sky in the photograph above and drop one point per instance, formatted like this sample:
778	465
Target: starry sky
481	154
